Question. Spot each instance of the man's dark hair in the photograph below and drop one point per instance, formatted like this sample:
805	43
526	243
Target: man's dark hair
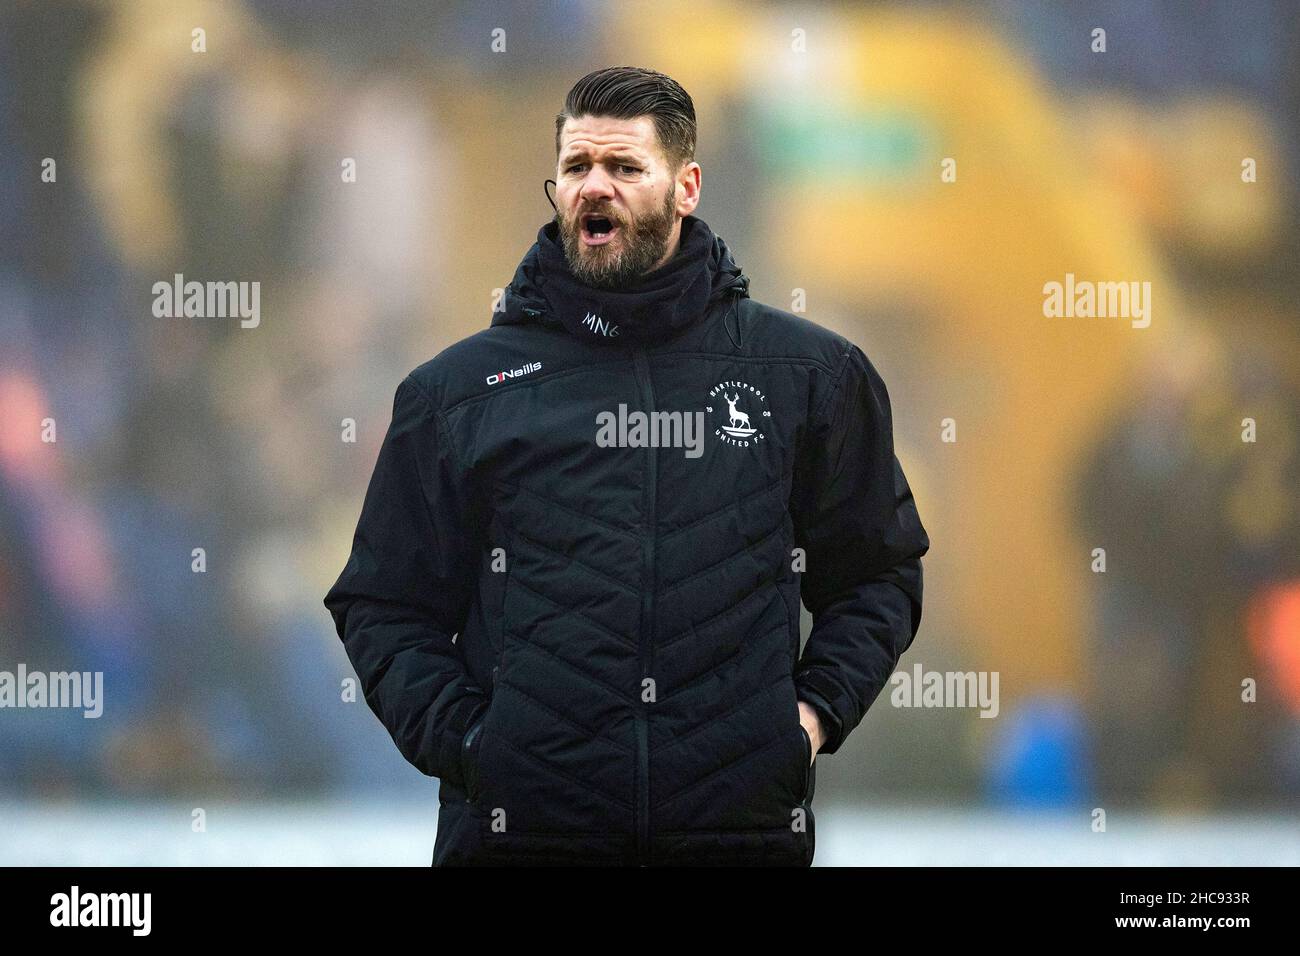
626	92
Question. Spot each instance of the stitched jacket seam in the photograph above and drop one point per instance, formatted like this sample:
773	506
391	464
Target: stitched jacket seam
588	366
834	388
720	510
533	382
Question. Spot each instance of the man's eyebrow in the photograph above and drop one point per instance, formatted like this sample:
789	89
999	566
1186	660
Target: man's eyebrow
622	154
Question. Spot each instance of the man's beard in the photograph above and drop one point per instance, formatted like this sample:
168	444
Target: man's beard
642	243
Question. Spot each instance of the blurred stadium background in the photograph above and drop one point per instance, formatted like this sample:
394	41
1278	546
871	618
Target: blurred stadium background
1119	691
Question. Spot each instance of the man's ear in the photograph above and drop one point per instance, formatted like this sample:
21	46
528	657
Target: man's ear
686	185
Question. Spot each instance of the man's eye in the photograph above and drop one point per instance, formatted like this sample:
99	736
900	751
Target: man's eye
575	166
630	170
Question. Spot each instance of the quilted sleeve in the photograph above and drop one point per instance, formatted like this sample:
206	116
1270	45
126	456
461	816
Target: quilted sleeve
404	593
855	518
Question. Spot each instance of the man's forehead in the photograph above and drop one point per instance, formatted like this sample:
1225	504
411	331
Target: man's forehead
602	133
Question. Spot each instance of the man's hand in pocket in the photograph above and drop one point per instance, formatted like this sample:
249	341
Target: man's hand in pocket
808	717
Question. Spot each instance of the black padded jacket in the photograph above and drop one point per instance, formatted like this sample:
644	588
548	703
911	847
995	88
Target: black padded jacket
583	618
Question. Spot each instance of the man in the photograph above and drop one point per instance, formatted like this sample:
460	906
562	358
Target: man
583	618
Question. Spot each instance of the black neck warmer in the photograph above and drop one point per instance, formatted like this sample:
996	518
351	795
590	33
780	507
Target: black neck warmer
655	306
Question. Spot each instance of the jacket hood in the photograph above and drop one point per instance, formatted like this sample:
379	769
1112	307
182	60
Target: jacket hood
658	305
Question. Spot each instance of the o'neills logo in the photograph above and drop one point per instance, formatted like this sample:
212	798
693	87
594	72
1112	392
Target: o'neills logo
502	376
738	423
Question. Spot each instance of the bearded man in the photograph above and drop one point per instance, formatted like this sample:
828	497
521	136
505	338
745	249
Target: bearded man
594	645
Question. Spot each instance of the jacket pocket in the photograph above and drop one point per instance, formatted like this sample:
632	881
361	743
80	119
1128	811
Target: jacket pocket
804	777
503	539
469	763
807	764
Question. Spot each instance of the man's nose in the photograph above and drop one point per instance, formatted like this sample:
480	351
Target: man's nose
597	186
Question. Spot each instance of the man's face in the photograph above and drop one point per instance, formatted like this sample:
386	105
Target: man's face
617	200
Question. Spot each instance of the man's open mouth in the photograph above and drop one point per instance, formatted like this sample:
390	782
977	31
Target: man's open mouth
597	230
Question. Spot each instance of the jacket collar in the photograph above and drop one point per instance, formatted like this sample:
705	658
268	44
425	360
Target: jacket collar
658	306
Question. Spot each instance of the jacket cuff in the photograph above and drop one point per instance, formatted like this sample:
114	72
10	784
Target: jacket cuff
832	726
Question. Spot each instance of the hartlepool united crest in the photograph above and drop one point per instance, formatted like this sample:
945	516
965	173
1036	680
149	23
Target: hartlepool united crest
738	413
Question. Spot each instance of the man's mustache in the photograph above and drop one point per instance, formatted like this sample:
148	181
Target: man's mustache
609	214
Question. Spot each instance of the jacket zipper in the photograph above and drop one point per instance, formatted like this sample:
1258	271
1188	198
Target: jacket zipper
646	642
